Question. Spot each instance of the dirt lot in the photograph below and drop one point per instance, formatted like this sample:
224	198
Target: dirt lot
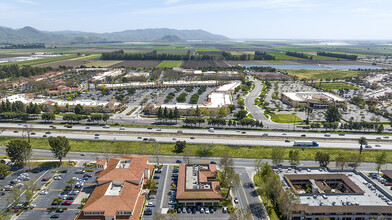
138	63
13	55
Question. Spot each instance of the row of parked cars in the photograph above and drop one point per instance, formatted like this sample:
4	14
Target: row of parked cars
18	182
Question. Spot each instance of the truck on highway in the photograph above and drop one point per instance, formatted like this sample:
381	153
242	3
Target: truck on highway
305	143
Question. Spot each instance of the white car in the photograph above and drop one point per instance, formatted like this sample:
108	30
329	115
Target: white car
57	178
43	192
122	128
82	154
74	192
207	211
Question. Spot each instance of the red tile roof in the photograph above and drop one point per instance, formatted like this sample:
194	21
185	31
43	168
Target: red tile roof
133	173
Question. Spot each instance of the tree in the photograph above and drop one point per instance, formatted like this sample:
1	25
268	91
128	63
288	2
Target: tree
160	113
356	160
180	146
205	149
105	117
158	216
322	158
381	159
29	189
277	155
341	161
176	114
380	128
19	151
222	112
4	170
239	214
157	150
332	114
151	184
48	116
241	114
14	196
59	147
79	109
294	157
187	154
232	179
361	141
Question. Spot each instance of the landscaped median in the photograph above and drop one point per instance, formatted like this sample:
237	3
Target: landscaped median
284	118
262	152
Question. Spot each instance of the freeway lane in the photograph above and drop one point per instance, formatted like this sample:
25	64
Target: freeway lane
172	138
205	132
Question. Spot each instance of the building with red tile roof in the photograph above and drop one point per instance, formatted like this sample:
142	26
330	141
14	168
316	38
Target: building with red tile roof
197	185
118	191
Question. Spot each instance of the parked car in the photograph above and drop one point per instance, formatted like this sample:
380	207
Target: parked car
55	216
150	204
224	210
59	210
235	200
45	179
158	171
66	202
43	192
148	211
58	177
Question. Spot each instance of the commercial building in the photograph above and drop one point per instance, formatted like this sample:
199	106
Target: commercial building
197	185
335	195
118	191
317	100
50	105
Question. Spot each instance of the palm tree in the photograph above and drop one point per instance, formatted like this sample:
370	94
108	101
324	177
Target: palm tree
361	141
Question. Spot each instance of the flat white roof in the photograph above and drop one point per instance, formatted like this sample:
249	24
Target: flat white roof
25	100
228	87
369	198
303	96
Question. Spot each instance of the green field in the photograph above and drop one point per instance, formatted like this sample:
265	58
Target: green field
261	152
170	64
337	85
103	63
90	57
284	118
207	49
274	62
322	74
283	56
41	61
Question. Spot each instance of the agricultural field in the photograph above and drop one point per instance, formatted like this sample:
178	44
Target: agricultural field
89	57
41	61
205	63
138	63
337	85
73	63
284	118
323	74
169	64
103	63
283	56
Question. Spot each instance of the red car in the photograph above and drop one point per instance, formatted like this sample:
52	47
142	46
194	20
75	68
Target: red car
66	202
45	179
388	184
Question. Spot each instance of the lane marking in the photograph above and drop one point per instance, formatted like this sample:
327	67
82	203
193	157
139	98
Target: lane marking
246	198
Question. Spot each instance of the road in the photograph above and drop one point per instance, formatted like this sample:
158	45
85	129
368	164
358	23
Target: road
204	132
256	111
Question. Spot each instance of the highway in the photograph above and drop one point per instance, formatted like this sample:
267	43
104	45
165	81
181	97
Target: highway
203	132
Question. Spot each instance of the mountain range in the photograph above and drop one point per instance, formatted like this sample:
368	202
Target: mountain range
32	35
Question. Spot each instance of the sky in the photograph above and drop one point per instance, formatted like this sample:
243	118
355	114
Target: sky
236	19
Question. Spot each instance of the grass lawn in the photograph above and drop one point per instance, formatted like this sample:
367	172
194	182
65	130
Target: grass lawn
51	164
337	85
274	62
41	61
103	63
284	118
90	57
217	151
323	74
270	208
169	64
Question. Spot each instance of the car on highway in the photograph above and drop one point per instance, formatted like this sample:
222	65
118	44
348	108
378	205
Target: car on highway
96	134
96	138
82	154
139	138
145	139
192	137
87	127
106	126
368	146
32	133
303	135
44	135
158	129
386	136
151	139
378	138
264	135
341	134
284	134
377	145
327	135
16	131
174	139
149	128
287	141
122	128
243	132
179	131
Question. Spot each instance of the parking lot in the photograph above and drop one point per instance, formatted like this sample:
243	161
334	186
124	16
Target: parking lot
165	199
72	192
